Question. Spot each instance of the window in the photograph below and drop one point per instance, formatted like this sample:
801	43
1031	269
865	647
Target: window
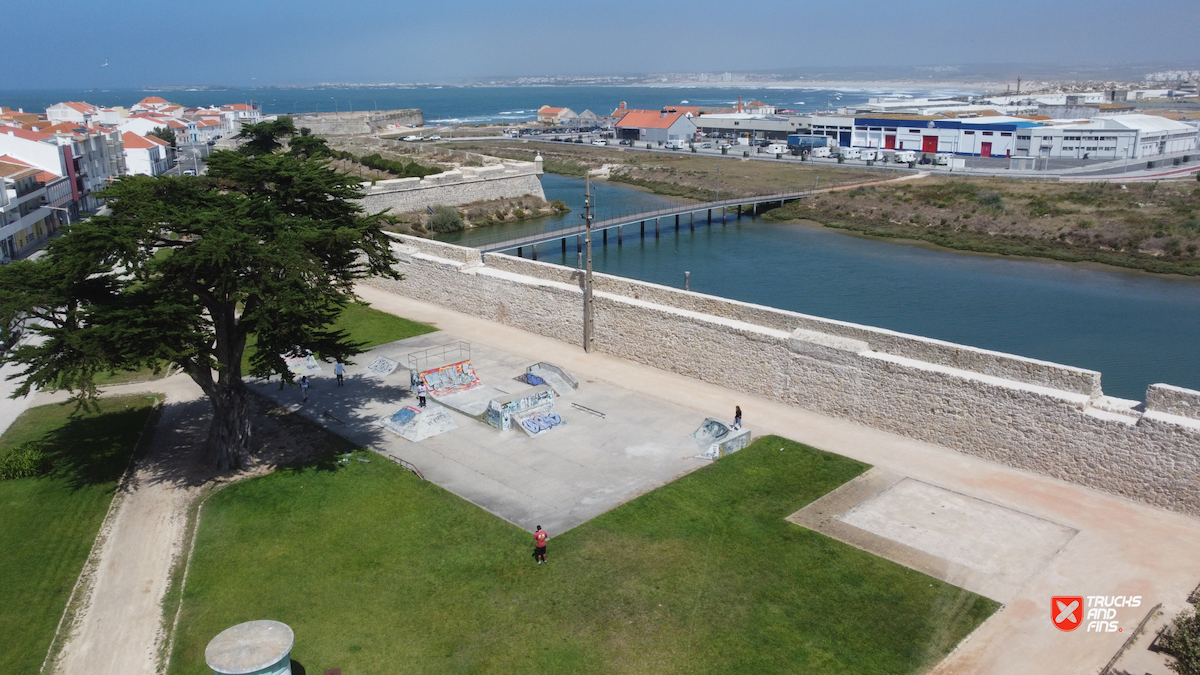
1005	133
968	133
887	129
875	129
1023	138
914	131
860	128
987	133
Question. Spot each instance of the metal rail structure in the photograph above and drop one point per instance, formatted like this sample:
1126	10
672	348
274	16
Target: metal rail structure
531	241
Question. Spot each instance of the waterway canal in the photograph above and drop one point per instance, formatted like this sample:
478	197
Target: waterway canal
1135	329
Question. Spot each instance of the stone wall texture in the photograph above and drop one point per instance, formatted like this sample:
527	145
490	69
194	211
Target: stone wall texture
506	180
353	123
1029	414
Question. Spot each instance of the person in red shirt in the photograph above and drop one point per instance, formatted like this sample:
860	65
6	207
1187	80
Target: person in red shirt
539	540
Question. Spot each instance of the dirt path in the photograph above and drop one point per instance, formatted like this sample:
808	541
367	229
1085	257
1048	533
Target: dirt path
117	628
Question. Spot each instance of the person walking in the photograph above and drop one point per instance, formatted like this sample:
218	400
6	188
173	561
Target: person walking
539	542
304	386
340	371
737	417
421	390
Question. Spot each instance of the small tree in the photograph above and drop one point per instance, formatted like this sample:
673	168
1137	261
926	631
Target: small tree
264	138
1182	640
445	219
164	134
308	146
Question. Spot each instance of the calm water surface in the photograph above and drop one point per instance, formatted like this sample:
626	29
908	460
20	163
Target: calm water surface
1135	329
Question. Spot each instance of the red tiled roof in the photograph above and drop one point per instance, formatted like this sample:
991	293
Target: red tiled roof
649	119
26	134
156	140
15	169
547	110
237	106
132	140
46	177
152	100
13	160
81	106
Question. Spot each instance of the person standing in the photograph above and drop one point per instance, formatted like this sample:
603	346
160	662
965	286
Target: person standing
539	542
737	417
421	390
340	371
304	386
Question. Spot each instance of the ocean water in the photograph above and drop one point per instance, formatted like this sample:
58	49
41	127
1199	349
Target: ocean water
474	105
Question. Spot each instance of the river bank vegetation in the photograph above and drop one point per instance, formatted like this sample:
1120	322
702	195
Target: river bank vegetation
1151	226
447	219
678	174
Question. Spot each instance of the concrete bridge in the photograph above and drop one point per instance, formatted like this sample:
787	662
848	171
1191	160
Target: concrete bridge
672	217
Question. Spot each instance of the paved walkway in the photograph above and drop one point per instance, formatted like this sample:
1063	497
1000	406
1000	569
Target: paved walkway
1122	548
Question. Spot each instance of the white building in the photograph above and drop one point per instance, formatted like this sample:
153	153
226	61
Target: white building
1115	137
146	155
650	126
90	158
26	195
78	112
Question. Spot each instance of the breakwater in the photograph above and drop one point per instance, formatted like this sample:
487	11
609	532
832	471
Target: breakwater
1030	414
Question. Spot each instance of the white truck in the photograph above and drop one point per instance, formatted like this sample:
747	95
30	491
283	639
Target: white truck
820	152
868	154
675	144
850	153
777	149
904	156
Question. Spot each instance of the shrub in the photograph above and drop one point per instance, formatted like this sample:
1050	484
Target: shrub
519	214
559	206
992	200
445	219
24	461
1182	640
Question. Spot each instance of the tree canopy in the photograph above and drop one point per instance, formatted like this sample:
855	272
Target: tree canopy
164	133
264	138
185	270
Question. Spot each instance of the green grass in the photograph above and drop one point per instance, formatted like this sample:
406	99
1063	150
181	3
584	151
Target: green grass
48	523
378	572
364	324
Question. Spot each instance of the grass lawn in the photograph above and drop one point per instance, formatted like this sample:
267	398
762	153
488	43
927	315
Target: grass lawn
364	324
48	523
378	572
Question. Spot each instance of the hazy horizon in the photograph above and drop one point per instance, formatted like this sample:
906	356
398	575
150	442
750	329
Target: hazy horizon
368	41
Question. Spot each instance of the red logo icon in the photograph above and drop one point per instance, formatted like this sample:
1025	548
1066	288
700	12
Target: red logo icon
1066	611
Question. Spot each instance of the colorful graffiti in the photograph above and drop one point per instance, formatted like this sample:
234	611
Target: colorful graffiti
451	379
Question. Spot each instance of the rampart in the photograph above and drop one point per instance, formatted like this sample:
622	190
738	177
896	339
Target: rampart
504	179
362	122
1029	414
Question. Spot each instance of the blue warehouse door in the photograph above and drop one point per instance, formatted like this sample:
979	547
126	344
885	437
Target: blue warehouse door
844	139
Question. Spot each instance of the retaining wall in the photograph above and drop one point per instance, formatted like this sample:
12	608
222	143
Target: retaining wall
506	180
1025	413
354	123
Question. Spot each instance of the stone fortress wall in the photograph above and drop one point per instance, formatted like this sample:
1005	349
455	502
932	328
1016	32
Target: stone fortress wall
1029	414
500	179
356	123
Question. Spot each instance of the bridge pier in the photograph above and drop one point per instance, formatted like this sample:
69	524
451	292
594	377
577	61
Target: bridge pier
676	222
710	216
579	243
533	249
643	229
656	227
739	211
606	237
691	221
618	236
519	254
564	245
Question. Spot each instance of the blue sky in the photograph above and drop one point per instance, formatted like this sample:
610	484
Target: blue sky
305	41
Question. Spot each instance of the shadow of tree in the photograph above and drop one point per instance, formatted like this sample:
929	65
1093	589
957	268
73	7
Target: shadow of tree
93	449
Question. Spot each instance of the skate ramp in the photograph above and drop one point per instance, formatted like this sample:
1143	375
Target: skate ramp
501	409
716	439
417	424
451	379
473	402
556	377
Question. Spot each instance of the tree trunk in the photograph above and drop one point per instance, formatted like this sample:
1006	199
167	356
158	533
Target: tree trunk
228	444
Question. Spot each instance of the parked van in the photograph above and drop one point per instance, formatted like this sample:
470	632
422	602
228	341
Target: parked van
942	158
850	153
904	156
675	144
820	152
777	149
868	155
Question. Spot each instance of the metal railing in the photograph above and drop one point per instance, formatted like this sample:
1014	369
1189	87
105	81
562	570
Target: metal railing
559	230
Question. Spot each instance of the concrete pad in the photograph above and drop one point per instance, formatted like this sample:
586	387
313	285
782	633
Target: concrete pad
557	479
1003	546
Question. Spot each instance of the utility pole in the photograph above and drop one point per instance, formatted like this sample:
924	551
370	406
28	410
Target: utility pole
588	313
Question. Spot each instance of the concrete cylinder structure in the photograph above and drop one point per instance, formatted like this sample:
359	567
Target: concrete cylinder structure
253	648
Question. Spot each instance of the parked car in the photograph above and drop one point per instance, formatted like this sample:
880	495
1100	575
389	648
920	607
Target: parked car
706	145
435	137
412	137
598	143
189	172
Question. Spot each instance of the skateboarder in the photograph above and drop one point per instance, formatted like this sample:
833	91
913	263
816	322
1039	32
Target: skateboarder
340	371
737	417
539	542
304	386
421	393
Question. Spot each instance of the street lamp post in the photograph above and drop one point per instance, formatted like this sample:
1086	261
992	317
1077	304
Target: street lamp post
588	316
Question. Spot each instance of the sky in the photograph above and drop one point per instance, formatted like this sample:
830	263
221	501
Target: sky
310	41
